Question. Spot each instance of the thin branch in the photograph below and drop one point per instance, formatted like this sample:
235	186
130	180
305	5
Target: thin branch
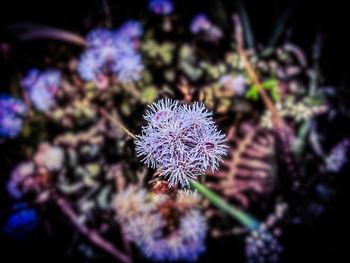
91	234
117	123
30	31
276	118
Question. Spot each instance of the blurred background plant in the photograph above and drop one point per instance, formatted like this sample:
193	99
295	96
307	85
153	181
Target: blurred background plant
72	74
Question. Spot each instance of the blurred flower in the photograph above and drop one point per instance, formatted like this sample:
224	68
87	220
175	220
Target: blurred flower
49	157
11	111
161	7
200	23
262	245
20	224
129	68
17	106
98	38
10	124
130	203
130	29
185	243
42	87
144	224
21	172
112	53
180	141
235	83
89	65
338	156
188	198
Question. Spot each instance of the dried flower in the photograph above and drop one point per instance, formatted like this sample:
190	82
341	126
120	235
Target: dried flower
298	111
180	141
188	198
49	157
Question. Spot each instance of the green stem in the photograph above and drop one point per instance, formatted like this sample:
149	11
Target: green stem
241	216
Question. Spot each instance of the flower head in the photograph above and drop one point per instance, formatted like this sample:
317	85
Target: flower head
200	23
16	106
130	29
49	157
161	7
235	83
149	228
112	53
185	243
19	174
262	245
338	156
128	68
11	111
99	38
89	65
42	87
181	141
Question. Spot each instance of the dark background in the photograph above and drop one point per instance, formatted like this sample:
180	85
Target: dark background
327	240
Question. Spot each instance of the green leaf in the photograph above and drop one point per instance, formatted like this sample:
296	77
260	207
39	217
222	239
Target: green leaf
149	94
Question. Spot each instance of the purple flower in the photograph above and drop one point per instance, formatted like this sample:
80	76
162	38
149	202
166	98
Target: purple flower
200	23
10	124
262	245
11	111
181	141
128	68
20	224
42	87
130	29
186	243
14	105
138	211
338	156
89	65
112	53
99	38
235	83
161	7
20	173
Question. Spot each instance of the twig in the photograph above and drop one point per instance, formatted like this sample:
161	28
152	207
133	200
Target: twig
276	118
117	123
91	234
130	88
35	31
